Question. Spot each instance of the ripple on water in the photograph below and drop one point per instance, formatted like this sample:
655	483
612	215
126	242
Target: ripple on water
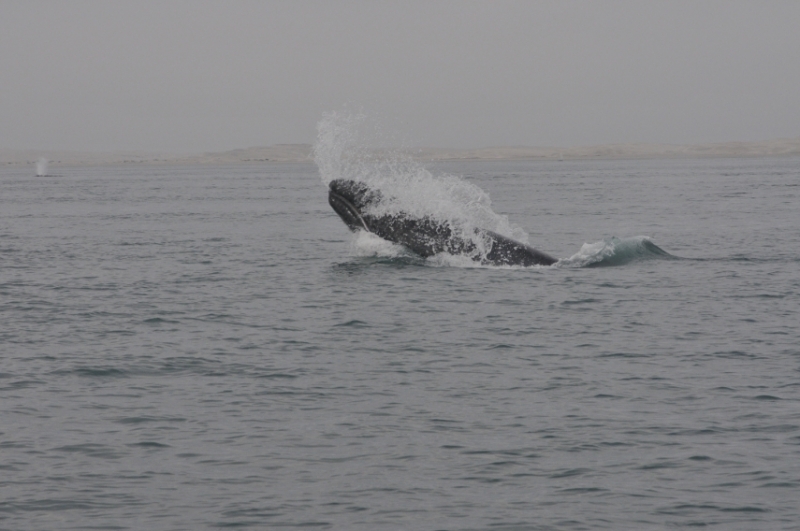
195	347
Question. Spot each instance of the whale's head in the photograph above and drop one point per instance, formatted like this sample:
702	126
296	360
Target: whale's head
350	199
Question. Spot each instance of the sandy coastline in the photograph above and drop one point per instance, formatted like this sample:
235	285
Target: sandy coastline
302	153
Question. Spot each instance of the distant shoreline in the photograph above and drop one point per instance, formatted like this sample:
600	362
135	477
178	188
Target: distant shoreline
302	153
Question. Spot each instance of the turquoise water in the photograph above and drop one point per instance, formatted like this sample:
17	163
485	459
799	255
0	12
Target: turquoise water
192	347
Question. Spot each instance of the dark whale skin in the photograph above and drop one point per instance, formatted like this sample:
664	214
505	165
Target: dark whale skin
425	236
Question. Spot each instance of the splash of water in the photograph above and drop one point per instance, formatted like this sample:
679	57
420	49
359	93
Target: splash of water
41	167
615	251
345	150
367	244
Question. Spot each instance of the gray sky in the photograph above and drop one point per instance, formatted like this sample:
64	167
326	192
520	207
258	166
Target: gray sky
206	76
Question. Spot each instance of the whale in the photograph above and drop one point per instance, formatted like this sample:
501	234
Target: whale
425	236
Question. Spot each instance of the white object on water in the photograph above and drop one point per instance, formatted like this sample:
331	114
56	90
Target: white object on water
41	166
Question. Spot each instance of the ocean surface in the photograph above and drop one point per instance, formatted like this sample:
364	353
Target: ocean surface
200	347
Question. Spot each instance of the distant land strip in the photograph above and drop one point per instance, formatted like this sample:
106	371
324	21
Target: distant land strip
302	153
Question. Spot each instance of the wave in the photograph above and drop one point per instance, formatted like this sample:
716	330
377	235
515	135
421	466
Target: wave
614	251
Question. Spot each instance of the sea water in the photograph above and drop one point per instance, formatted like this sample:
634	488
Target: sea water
195	347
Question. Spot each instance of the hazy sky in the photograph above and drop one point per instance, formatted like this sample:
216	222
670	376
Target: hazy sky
215	75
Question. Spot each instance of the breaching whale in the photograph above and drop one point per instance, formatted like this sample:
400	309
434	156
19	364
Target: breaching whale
425	236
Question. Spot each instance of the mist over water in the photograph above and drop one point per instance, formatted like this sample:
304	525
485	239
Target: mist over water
198	347
41	167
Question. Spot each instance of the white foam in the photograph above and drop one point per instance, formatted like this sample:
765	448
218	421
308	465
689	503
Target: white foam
366	244
611	251
590	253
